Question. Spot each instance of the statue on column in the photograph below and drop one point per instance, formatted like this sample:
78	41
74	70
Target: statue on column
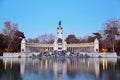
60	23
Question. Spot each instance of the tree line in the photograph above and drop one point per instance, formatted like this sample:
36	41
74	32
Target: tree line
10	38
108	36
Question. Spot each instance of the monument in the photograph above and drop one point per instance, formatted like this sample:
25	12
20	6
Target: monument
60	45
90	49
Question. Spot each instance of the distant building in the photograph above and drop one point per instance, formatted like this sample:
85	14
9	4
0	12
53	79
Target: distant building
60	45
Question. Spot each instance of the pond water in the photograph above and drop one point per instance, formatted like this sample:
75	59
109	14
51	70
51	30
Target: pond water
60	69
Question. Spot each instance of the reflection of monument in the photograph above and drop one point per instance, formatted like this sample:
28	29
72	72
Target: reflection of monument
57	69
59	76
22	68
60	70
60	45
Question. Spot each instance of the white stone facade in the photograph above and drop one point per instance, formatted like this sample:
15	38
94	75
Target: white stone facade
60	45
96	45
23	45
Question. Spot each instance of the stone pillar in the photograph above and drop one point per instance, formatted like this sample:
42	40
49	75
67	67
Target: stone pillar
23	45
96	45
69	49
48	49
72	49
51	49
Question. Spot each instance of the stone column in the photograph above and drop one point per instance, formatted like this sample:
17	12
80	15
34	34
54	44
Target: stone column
71	49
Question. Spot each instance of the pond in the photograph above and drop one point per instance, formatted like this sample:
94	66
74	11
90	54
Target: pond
60	69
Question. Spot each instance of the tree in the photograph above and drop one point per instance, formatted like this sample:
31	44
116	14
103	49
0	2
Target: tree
111	32
12	37
46	38
83	39
71	39
19	34
90	39
1	42
9	30
16	43
51	38
30	40
118	47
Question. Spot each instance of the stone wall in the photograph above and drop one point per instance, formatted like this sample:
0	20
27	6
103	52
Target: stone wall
19	55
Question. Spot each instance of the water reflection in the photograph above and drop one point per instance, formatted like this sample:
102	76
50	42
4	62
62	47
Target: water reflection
60	69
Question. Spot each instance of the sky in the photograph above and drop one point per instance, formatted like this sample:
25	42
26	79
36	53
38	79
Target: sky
78	17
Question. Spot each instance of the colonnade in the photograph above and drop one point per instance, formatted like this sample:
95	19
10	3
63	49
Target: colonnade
70	49
45	49
39	49
80	49
74	48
